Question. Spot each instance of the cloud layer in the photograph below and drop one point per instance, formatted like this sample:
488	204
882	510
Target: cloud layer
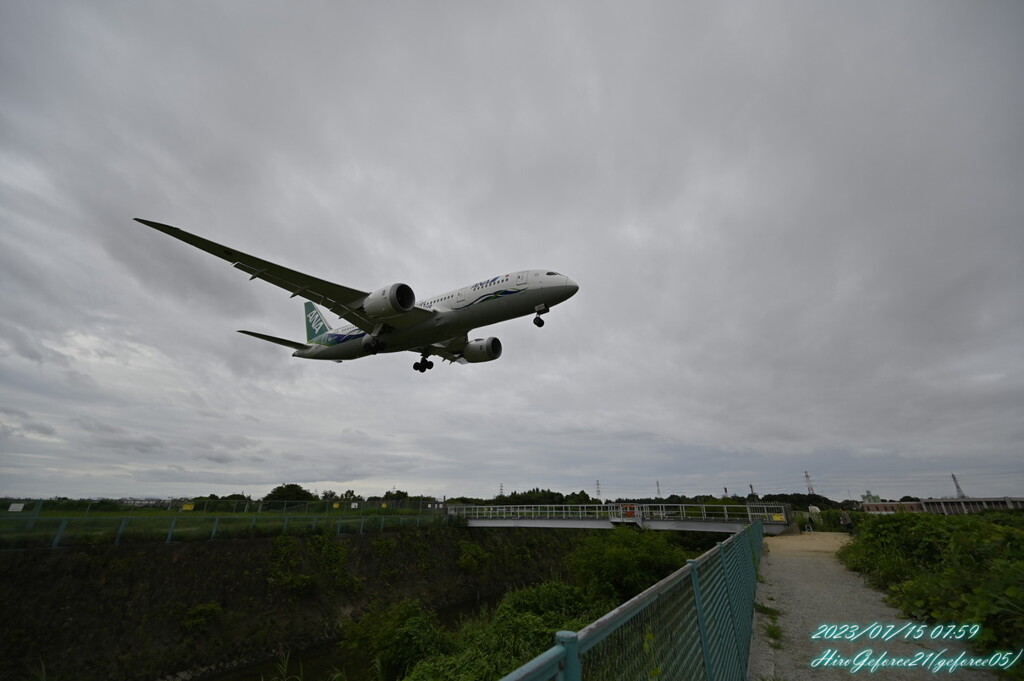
797	231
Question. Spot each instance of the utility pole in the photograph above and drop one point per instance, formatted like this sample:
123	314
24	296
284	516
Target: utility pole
752	493
598	489
959	492
501	489
657	484
807	477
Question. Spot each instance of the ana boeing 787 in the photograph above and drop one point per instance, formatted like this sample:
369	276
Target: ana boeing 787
390	319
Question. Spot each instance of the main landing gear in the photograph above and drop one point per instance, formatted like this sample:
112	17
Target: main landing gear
422	365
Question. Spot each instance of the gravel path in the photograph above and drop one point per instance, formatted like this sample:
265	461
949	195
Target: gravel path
804	580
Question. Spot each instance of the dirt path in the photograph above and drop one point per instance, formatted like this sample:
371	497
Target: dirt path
804	580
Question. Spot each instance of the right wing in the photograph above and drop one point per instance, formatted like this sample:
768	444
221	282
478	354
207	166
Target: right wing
341	300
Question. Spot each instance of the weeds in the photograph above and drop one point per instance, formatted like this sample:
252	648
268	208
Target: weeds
769	612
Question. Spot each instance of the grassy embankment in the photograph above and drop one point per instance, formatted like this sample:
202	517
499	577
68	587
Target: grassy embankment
147	610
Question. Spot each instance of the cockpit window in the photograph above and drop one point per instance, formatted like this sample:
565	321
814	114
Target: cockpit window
554	274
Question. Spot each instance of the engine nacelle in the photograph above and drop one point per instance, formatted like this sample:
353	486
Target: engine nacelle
482	350
390	301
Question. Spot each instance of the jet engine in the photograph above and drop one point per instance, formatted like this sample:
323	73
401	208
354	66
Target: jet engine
389	301
482	350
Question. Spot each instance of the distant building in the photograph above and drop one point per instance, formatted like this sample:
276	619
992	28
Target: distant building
944	506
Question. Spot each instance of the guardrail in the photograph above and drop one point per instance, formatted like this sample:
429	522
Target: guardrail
694	624
54	533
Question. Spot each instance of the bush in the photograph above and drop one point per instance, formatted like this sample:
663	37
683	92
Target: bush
945	569
618	567
390	640
521	627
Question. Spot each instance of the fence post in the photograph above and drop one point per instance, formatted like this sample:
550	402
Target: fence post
60	533
213	532
705	645
571	671
120	531
170	530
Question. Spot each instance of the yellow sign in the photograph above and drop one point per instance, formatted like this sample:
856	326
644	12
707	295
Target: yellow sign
335	505
778	517
188	507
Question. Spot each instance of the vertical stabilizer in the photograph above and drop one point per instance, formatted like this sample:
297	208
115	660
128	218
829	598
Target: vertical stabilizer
315	322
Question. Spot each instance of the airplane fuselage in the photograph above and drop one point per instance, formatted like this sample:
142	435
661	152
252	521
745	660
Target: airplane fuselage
458	312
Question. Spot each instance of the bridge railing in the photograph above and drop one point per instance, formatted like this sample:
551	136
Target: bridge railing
694	624
766	513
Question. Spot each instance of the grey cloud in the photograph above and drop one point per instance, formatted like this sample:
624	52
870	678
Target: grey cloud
796	230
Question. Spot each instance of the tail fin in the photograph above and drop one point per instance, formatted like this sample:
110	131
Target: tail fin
315	322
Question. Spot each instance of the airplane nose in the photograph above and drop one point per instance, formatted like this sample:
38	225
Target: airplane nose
572	286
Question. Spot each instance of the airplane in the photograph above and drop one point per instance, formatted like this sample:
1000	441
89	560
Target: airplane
390	319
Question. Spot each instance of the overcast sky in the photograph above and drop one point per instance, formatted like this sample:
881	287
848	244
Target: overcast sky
798	230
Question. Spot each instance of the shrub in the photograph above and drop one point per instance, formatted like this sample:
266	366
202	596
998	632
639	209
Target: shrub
391	639
620	566
945	569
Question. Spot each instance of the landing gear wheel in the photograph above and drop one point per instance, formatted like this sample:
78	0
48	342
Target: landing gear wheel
538	321
423	365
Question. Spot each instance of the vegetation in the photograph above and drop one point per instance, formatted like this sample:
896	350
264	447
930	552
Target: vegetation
613	567
946	569
404	640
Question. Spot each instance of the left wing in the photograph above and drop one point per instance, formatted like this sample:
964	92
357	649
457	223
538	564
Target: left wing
341	300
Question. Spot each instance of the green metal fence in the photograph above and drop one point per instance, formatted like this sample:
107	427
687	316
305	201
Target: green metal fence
52	533
694	624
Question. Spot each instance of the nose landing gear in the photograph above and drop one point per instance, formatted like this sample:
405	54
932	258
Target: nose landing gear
540	309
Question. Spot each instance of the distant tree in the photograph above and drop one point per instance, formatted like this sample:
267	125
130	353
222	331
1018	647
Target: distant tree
395	495
470	501
533	497
290	492
909	498
800	502
328	495
580	497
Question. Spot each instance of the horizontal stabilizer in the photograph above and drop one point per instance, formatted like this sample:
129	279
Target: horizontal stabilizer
274	339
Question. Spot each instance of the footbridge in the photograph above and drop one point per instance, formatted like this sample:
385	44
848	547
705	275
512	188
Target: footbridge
775	518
